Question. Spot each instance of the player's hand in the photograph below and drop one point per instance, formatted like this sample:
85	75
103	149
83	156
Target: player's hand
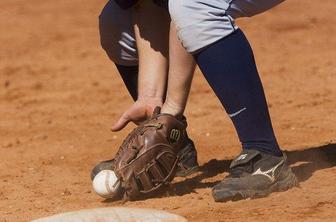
140	111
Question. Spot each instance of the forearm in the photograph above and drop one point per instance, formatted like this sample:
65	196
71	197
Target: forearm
152	31
181	70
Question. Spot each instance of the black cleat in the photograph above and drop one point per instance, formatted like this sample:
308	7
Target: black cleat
188	160
254	174
187	164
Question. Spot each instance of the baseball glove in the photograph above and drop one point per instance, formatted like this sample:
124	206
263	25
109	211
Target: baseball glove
148	157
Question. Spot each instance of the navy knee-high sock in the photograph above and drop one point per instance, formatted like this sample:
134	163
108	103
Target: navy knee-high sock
129	74
229	67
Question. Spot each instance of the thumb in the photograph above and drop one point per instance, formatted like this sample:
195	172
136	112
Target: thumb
121	123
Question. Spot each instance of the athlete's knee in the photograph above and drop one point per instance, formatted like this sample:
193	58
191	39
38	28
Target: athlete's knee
200	24
116	37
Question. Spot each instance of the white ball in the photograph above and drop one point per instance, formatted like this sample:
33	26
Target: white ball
106	184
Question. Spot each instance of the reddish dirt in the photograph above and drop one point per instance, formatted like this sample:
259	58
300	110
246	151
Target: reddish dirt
59	94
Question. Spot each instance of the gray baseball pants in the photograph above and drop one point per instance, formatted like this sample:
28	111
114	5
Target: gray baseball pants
199	23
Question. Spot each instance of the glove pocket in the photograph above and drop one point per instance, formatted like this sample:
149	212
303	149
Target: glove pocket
157	172
149	171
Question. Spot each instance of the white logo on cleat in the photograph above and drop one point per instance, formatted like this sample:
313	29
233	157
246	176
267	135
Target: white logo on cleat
241	157
269	173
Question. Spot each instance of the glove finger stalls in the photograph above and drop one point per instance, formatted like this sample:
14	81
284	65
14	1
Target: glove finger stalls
156	173
145	181
167	162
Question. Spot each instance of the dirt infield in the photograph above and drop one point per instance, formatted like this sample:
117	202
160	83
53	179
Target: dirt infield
59	94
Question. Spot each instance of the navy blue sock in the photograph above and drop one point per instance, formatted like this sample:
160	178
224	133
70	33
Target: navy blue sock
229	67
129	74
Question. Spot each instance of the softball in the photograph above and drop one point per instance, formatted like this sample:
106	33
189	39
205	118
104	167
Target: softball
106	184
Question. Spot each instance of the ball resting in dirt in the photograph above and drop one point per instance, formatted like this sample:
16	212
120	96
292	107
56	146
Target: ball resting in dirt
106	184
116	215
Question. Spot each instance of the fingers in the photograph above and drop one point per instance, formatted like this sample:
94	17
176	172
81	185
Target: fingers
121	123
138	113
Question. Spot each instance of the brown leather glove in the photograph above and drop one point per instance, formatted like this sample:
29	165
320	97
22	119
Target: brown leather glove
148	157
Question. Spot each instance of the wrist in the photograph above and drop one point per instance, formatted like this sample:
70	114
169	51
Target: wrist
172	108
150	94
150	99
149	102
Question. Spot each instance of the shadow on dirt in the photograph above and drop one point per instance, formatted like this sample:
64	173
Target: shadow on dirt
305	163
208	170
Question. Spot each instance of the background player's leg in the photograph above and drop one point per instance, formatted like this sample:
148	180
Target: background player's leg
118	40
129	74
230	69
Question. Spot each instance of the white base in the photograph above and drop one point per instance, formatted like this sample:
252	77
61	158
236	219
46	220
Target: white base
115	214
